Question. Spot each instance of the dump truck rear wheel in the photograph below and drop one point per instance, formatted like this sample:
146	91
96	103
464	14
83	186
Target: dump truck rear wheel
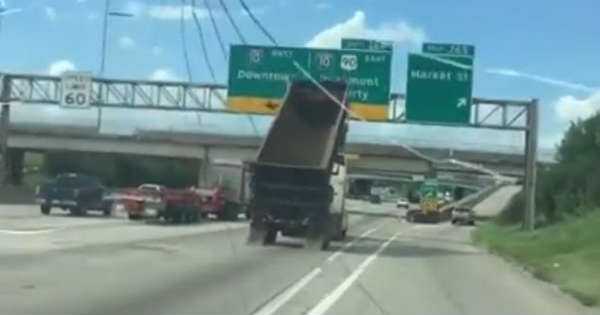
45	209
257	233
270	237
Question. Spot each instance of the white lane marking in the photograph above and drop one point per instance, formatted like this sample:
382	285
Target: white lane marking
327	302
335	255
26	232
288	294
284	297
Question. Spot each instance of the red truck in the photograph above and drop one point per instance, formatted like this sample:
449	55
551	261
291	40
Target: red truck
150	201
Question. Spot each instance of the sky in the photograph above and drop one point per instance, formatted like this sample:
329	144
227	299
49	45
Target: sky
545	49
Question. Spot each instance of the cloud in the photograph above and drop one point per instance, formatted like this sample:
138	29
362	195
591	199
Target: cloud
569	108
58	67
546	80
126	43
173	12
323	6
134	7
157	50
357	26
163	74
166	12
50	13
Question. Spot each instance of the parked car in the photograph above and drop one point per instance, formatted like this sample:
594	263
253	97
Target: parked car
463	215
402	203
72	192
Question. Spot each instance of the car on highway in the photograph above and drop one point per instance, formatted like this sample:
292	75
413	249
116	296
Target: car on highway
463	215
72	192
402	203
134	200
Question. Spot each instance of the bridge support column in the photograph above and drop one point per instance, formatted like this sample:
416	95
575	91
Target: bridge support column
14	166
204	169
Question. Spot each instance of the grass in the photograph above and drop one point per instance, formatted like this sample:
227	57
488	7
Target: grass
567	254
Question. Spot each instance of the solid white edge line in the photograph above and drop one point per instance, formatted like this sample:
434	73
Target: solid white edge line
27	232
272	307
329	300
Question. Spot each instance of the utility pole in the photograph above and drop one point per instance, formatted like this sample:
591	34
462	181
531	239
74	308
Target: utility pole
531	135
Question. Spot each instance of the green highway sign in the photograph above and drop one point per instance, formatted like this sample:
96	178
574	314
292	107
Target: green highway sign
258	76
439	88
429	188
449	49
367	44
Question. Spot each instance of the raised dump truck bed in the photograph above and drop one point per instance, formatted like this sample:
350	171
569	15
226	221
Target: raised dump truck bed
293	190
305	133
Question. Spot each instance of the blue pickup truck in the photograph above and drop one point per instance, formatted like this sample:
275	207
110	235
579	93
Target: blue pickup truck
76	193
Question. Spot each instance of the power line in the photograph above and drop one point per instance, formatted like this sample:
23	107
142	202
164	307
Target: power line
258	23
216	29
232	21
183	41
203	42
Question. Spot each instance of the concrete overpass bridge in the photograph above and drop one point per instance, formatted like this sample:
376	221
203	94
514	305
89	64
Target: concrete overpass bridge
364	158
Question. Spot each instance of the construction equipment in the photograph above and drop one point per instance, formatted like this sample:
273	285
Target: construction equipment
298	179
430	204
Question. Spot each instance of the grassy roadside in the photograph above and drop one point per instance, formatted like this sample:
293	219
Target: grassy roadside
567	254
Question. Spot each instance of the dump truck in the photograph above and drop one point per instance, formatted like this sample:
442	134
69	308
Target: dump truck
298	180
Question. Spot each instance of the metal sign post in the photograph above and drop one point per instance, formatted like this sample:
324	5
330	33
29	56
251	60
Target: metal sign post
4	124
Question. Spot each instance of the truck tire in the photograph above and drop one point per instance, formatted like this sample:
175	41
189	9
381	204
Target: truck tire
229	212
325	243
319	233
194	217
133	217
270	237
256	235
45	209
342	235
78	211
181	217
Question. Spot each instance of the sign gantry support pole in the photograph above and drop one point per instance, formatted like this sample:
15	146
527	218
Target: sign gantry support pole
4	127
531	135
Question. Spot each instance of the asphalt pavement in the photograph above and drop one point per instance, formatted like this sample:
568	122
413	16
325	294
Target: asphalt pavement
95	265
497	201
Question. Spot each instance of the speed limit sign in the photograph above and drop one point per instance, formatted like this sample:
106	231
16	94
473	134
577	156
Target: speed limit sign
76	89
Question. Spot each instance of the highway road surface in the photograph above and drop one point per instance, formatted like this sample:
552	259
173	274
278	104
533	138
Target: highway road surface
497	201
95	265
